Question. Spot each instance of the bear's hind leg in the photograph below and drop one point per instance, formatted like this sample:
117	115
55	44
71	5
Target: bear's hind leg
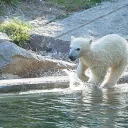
114	76
98	75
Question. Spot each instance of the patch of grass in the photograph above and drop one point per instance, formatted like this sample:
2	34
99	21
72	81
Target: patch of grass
17	31
74	5
7	3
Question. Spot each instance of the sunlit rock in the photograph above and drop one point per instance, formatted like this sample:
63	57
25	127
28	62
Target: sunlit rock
18	61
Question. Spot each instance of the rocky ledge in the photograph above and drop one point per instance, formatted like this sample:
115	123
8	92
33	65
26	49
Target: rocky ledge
21	63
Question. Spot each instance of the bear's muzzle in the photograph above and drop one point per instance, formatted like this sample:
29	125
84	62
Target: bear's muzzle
72	58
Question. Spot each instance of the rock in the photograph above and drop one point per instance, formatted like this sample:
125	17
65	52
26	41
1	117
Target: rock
4	37
26	84
18	61
40	43
48	46
94	22
124	78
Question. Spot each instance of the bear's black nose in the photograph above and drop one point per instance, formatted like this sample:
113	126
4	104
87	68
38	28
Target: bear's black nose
72	58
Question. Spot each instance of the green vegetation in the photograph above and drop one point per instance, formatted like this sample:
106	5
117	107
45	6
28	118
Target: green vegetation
7	3
69	5
17	31
74	5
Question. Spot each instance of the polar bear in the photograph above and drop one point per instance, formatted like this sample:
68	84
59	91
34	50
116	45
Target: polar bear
110	51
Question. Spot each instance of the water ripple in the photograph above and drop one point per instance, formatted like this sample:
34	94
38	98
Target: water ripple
91	108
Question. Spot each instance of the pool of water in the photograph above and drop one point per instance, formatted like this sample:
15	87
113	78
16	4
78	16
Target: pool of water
92	108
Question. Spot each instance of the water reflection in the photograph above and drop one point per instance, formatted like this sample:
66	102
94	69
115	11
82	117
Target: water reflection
92	108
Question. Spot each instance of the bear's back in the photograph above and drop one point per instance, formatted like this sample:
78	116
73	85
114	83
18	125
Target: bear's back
112	42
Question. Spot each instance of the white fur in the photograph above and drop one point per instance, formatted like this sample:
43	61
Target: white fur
111	51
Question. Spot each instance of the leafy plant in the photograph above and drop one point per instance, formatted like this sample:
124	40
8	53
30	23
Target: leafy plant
4	4
74	5
17	31
9	2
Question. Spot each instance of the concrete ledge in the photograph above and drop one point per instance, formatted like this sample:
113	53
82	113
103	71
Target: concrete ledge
17	85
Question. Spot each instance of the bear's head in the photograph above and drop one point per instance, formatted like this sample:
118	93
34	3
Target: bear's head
78	47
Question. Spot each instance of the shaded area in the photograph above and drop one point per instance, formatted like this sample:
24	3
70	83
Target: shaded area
49	47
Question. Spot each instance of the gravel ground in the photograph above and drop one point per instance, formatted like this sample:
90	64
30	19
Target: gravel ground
36	12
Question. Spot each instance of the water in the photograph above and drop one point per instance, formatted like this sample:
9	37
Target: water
90	108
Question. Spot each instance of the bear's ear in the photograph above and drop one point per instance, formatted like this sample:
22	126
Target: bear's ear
72	38
90	42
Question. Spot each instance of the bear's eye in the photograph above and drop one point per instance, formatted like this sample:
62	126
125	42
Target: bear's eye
78	49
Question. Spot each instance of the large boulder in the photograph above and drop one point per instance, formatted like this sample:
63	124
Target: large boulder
18	61
48	46
40	42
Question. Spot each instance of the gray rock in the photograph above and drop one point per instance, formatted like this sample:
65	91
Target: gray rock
124	78
4	37
18	85
108	17
18	61
40	43
8	50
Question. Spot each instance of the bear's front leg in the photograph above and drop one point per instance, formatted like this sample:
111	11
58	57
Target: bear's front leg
81	72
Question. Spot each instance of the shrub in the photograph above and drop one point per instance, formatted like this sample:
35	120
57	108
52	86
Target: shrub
74	5
4	4
17	31
9	2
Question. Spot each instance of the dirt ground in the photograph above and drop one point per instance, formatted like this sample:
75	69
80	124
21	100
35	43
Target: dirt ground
37	12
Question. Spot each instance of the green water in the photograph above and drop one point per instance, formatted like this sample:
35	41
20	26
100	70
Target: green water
92	108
